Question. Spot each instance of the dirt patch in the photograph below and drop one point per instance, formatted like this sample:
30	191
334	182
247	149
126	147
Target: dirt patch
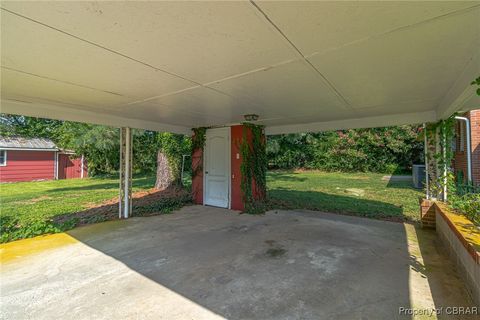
32	201
147	202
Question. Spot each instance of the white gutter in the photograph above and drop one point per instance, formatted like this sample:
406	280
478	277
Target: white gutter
469	147
27	149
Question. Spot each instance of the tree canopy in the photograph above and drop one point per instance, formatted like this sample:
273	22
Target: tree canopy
100	144
387	149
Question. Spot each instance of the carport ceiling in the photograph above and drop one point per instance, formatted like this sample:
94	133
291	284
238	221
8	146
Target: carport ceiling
298	65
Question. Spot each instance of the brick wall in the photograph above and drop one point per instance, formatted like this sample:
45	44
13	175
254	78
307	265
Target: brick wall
460	161
427	213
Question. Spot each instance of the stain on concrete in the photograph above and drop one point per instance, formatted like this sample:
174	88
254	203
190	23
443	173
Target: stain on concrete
275	252
275	249
26	247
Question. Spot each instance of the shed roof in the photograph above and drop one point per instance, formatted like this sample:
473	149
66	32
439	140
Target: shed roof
27	143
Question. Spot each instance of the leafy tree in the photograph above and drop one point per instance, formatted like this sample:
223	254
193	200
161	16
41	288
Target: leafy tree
378	150
101	144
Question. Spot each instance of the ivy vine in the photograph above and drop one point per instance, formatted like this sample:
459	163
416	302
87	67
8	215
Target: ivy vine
198	143
440	154
253	168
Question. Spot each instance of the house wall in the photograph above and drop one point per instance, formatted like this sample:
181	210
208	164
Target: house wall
237	195
460	160
25	165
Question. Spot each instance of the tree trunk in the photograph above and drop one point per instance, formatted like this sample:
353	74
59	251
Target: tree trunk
165	176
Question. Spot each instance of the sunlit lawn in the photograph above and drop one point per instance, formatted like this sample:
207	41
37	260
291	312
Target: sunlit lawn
367	196
29	204
27	207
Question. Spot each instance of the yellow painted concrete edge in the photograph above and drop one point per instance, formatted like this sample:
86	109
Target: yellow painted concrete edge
21	248
465	227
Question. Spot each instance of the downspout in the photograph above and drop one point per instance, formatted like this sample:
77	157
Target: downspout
427	182
469	147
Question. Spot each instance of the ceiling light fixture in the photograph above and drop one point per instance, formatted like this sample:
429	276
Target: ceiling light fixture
251	117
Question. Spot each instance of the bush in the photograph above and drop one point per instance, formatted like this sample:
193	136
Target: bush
386	150
469	205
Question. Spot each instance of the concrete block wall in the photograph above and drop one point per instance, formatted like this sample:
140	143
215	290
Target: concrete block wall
466	261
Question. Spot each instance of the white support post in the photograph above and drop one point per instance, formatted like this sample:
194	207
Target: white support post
81	167
125	201
427	173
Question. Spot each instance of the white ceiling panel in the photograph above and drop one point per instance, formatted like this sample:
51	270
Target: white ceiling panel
177	65
203	41
25	87
412	64
206	102
285	89
39	50
318	26
398	108
154	111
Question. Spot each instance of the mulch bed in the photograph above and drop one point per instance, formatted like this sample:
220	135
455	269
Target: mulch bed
149	202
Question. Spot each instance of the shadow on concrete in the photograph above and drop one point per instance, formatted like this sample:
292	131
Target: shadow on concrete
284	265
446	286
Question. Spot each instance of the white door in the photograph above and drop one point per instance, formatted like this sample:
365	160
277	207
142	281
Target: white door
217	168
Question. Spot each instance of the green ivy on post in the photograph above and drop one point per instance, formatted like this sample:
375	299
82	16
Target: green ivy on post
253	168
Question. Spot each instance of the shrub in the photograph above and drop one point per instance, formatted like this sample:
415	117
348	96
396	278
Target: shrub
386	150
469	205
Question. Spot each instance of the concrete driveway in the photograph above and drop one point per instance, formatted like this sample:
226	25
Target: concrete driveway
207	263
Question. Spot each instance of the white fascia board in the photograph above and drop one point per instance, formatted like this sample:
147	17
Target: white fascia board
369	122
58	112
462	91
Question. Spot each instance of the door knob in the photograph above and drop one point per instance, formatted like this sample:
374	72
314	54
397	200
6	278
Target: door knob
206	172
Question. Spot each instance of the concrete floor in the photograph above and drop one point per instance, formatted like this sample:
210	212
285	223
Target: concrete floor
207	263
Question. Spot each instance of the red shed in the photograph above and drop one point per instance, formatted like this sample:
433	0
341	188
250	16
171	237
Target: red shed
30	159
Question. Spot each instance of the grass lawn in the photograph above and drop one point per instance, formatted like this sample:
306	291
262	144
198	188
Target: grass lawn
362	194
26	207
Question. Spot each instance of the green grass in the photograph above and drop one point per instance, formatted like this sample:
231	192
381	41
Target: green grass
327	192
26	208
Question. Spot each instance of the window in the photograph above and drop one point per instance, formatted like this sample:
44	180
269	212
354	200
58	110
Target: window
3	158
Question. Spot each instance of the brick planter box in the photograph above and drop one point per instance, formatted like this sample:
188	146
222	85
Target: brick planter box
427	213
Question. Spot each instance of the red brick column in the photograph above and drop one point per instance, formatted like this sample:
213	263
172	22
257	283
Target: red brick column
427	213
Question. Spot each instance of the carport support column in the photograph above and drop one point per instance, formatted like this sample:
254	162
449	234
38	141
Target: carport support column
125	203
